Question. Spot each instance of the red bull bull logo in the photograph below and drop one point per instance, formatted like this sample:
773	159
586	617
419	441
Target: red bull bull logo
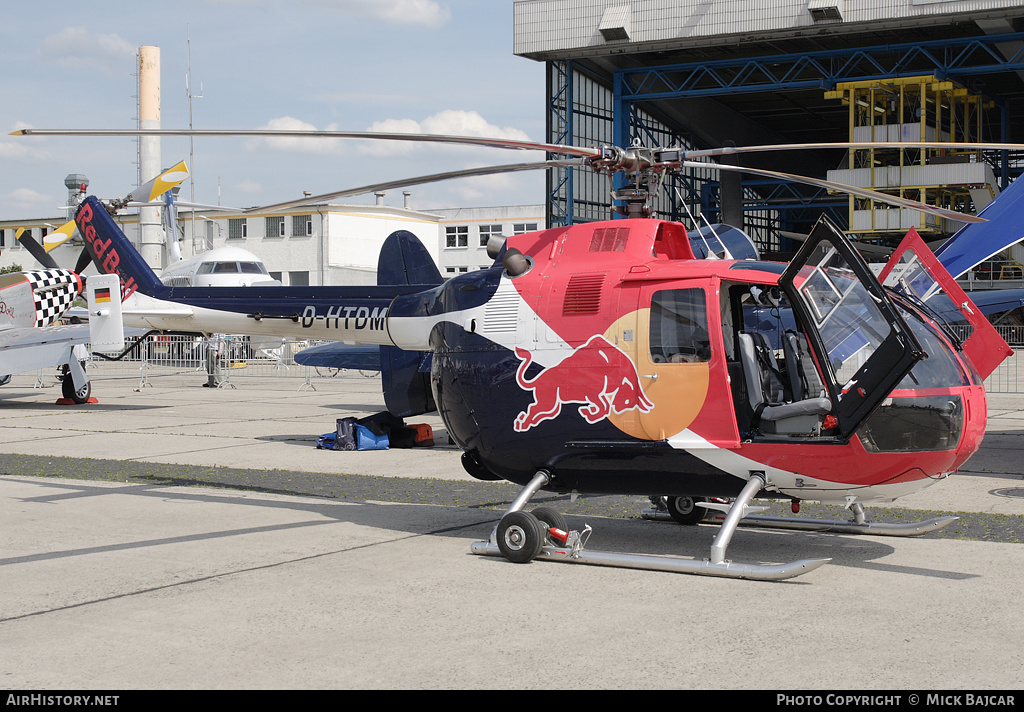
597	375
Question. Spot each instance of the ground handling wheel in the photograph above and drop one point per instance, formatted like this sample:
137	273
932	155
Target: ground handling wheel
685	510
551	518
520	536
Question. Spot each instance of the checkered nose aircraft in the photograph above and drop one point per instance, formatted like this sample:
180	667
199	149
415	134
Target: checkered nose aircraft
31	303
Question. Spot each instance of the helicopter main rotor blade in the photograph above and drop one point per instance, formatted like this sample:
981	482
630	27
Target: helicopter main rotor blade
433	178
285	133
683	153
603	159
843	188
853	145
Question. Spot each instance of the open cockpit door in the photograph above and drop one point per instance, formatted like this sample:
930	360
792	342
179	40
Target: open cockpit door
916	273
862	343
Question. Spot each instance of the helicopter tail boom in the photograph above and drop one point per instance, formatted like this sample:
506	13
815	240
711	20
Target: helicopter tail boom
104	241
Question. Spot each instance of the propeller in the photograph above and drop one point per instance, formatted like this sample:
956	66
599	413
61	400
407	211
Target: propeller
35	249
147	194
59	236
41	253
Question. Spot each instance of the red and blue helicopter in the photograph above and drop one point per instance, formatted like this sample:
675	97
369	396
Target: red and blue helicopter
631	357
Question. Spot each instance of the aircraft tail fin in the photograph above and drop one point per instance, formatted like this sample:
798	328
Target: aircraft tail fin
405	375
113	253
976	242
106	330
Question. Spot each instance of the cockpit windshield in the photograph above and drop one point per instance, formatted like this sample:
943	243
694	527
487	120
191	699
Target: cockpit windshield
847	318
912	279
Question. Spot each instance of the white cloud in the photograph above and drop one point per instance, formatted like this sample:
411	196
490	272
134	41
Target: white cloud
28	199
23	150
390	160
445	123
315	146
450	122
468	123
77	48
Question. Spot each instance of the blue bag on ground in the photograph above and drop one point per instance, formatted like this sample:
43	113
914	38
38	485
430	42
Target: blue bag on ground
345	435
367	440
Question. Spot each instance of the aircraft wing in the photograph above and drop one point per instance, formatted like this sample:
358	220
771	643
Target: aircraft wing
977	242
335	354
30	348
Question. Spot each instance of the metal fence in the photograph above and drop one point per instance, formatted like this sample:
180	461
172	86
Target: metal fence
220	360
223	361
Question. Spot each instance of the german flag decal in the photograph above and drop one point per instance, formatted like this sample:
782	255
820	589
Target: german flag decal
103	294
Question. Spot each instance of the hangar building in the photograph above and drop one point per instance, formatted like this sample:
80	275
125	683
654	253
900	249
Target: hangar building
697	73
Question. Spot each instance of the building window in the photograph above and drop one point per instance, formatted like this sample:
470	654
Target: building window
486	231
3	236
237	228
275	226
520	228
298	279
302	225
456	236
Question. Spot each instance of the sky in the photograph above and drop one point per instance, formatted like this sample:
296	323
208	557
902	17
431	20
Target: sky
430	66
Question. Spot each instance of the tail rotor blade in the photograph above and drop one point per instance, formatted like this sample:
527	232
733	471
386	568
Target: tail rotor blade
160	185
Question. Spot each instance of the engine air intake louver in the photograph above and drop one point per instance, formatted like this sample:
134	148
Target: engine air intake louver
583	295
609	239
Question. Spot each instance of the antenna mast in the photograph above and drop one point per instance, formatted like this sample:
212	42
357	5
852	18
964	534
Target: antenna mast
191	139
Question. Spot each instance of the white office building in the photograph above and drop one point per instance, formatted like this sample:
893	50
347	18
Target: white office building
315	245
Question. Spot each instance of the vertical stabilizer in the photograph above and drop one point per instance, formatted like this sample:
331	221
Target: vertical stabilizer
405	375
106	330
112	253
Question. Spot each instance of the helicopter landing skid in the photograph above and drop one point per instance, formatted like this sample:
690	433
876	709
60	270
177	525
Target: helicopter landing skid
859	525
521	537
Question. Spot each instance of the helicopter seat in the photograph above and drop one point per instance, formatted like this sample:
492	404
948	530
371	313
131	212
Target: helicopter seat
771	414
804	380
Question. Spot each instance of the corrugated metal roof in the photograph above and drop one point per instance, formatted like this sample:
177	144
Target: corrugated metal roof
548	28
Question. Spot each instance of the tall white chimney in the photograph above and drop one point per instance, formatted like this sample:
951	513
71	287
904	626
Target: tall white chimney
151	233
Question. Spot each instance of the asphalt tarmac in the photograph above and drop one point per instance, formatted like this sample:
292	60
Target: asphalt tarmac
172	536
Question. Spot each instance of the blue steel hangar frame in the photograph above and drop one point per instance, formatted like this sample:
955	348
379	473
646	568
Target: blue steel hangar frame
585	110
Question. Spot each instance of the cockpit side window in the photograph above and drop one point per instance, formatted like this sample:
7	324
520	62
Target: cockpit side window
679	327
